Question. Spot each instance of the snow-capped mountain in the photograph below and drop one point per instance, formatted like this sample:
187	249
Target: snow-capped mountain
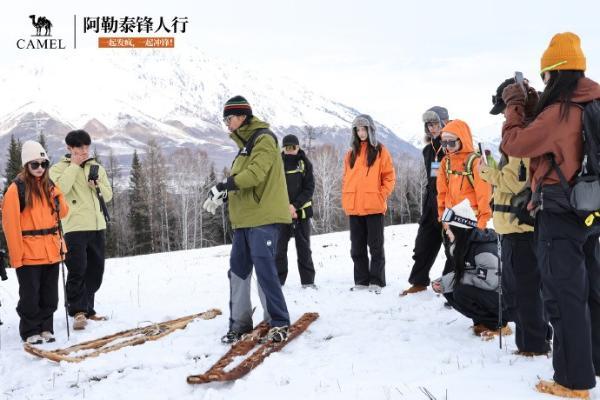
124	98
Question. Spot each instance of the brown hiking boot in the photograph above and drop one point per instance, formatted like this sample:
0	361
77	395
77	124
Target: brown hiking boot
413	289
478	329
490	334
559	390
79	321
97	317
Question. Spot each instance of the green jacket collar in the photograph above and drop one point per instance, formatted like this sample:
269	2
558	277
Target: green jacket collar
243	133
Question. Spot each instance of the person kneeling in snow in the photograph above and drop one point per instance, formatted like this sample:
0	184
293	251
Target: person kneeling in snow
472	288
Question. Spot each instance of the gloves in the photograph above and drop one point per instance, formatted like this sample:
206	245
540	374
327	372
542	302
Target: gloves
531	103
215	199
513	95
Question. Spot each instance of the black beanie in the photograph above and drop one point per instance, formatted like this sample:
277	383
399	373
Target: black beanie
290	140
237	105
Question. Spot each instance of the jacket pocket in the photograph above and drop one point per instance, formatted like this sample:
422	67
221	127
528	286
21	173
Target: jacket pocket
348	199
34	248
374	201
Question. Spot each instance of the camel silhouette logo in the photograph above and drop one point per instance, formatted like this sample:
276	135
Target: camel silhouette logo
41	23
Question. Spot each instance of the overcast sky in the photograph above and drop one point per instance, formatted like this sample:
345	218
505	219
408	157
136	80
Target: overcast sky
390	59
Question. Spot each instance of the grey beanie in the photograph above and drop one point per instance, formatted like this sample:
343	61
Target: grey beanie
367	121
435	114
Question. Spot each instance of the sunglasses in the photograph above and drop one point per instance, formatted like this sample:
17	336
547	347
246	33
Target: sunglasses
449	143
228	119
36	164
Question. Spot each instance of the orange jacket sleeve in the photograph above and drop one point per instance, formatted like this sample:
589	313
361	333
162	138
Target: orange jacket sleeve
11	224
483	194
388	174
442	187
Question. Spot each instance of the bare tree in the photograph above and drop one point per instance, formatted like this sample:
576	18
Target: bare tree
328	170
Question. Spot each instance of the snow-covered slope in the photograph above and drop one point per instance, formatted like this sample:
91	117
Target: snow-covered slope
127	97
363	346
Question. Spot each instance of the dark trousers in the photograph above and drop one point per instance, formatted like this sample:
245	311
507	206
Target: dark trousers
255	246
300	230
569	260
477	304
522	292
427	246
366	231
85	263
38	299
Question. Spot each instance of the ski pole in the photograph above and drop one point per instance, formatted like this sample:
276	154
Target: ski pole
499	239
62	263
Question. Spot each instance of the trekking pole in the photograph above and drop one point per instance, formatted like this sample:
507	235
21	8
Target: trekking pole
500	288
62	262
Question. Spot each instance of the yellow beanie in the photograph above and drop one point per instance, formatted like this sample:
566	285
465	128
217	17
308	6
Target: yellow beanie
564	52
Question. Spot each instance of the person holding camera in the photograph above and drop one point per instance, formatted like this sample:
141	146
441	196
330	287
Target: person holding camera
258	203
300	187
521	279
30	214
84	227
568	251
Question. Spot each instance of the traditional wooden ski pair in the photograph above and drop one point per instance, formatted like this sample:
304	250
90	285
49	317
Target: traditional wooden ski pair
107	344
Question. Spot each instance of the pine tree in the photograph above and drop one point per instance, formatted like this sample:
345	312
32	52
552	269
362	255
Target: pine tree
42	140
13	165
138	209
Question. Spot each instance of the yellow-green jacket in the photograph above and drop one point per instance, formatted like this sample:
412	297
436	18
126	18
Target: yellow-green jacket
85	213
505	180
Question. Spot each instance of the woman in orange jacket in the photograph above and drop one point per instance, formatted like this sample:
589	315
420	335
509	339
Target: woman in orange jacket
459	178
369	179
34	244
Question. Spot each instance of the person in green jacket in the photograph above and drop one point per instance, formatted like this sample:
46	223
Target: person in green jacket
257	198
84	226
521	278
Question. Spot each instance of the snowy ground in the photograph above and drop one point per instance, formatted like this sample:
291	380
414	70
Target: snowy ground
364	346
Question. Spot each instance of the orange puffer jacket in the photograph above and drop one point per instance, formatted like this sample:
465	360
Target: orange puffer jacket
455	188
365	189
26	249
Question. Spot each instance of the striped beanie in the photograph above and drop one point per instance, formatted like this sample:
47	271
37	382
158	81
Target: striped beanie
237	105
564	52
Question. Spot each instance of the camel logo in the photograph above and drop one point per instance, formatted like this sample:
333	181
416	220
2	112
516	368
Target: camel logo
42	39
41	23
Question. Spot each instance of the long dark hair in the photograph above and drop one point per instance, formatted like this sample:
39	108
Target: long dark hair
372	151
461	248
560	88
40	190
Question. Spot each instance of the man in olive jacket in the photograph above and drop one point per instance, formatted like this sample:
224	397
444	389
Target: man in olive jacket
83	227
258	202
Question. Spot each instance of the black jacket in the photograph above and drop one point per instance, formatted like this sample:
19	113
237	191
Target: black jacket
431	152
300	182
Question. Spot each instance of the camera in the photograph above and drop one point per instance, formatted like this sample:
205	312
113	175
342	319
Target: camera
93	175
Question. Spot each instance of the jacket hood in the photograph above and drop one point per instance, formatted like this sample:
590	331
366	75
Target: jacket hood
245	131
587	90
483	235
364	120
461	130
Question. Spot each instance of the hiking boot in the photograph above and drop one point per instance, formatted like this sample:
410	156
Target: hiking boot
413	289
277	334
97	317
34	339
490	334
358	288
478	329
231	337
559	390
309	286
375	288
530	353
48	337
79	321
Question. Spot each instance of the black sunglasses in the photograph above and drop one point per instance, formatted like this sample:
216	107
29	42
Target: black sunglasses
36	164
449	143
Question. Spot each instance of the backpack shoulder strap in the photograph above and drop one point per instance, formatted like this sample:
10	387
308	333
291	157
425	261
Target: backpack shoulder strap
469	167
21	192
247	149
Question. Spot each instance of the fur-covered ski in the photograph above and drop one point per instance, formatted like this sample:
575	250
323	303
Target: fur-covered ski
106	344
253	355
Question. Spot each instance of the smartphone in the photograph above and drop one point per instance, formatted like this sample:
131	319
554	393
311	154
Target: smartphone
482	152
519	80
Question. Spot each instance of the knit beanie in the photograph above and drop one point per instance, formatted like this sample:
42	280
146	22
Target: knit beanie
32	151
290	140
237	105
461	215
564	52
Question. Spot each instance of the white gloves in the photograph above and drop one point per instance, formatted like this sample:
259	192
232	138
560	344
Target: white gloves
215	199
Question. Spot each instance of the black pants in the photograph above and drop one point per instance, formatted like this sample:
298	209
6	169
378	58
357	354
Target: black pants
300	230
569	259
366	231
477	304
85	262
427	246
522	292
38	298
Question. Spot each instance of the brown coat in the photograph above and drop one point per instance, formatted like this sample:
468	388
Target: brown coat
548	134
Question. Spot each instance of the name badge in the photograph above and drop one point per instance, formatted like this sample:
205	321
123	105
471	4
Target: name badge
435	166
